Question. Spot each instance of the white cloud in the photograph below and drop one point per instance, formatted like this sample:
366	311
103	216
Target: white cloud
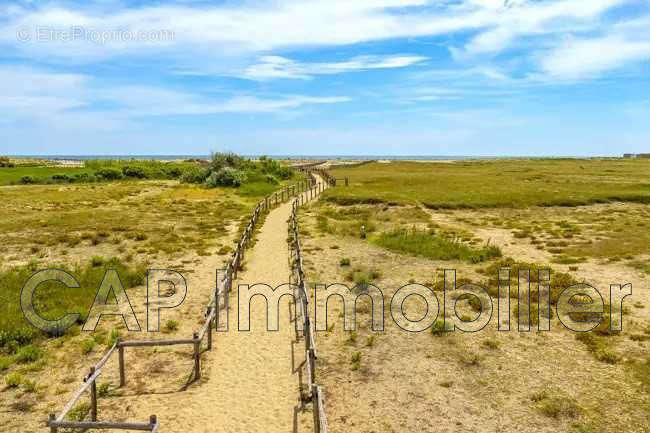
270	67
574	58
54	98
255	26
588	58
524	17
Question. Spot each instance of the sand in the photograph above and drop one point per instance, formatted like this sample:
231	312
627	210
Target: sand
251	380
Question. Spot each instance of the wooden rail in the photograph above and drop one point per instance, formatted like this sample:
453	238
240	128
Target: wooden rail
316	394
219	300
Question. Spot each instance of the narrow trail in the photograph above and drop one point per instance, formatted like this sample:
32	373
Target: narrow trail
250	379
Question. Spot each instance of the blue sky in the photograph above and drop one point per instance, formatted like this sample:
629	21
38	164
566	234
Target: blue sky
415	77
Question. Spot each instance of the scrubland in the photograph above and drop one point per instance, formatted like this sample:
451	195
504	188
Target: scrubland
401	223
86	225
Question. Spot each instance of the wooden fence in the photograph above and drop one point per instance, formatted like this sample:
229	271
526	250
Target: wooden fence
304	191
302	299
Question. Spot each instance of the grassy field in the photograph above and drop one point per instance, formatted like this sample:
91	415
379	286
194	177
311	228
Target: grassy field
13	175
508	183
406	222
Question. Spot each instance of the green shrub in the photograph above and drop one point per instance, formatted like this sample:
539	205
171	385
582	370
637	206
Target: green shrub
14	380
170	326
345	262
29	385
226	176
26	180
79	412
356	360
438	328
87	346
6	362
104	390
115	334
109	173
136	172
220	161
195	174
27	354
61	178
556	406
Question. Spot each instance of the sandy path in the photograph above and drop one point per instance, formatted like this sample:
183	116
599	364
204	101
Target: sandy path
250	379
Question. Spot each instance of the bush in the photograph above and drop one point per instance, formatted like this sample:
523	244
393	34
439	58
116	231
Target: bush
270	179
84	177
226	160
356	360
5	162
87	346
61	178
170	326
195	175
345	262
29	386
137	172
109	173
13	380
28	354
438	328
26	180
226	177
173	172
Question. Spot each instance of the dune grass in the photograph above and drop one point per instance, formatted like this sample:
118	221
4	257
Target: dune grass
52	300
432	246
503	183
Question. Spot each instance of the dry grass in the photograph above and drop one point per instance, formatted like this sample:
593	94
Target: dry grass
446	378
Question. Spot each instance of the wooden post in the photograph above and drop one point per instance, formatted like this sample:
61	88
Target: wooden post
226	300
52	428
153	421
197	356
346	181
315	408
121	362
93	397
210	330
312	364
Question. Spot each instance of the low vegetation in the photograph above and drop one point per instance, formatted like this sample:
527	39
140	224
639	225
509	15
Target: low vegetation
505	183
53	301
224	169
433	246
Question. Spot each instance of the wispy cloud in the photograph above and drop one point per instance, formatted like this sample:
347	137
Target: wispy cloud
37	95
272	67
588	57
